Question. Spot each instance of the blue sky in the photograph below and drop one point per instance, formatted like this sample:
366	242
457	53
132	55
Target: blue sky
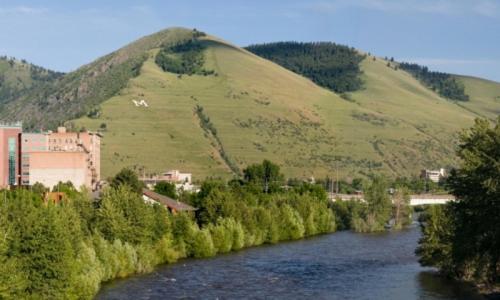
448	35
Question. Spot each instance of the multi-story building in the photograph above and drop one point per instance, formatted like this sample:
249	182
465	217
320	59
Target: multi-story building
433	175
176	176
9	154
51	157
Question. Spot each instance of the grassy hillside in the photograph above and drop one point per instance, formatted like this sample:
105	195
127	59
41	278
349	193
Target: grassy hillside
485	95
261	110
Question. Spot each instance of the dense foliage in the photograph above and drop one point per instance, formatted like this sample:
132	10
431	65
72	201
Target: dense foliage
266	177
462	239
65	250
166	189
329	65
129	178
379	210
442	83
183	58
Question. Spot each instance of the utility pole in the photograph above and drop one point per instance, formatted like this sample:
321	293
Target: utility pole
331	188
337	180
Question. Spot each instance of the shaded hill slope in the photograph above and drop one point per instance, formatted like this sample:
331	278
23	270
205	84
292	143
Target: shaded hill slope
18	77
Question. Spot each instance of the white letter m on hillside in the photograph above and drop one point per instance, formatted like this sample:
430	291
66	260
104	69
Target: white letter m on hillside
140	103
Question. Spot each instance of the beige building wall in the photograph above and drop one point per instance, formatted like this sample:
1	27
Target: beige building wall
49	168
88	142
75	156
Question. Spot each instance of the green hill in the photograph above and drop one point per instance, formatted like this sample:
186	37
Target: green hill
18	77
485	96
236	108
80	92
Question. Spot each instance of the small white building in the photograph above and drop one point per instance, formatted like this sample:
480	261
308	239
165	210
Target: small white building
433	175
176	176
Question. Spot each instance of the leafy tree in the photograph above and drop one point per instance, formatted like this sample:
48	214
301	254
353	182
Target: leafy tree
65	187
435	245
379	203
477	186
39	188
122	215
127	177
265	176
463	239
401	207
12	280
373	215
166	188
44	247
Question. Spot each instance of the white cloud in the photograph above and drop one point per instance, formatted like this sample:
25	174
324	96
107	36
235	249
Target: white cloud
450	62
484	68
487	8
445	7
22	10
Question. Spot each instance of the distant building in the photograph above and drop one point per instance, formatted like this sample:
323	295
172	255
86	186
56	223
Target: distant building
51	157
54	197
9	154
48	157
174	176
433	175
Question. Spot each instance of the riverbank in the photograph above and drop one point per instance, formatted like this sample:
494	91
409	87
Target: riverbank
490	292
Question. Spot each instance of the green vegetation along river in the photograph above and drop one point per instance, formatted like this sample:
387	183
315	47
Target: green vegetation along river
342	265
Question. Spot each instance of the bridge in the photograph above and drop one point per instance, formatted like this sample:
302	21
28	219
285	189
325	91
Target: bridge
429	199
415	200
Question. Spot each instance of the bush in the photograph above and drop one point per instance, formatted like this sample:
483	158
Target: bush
184	58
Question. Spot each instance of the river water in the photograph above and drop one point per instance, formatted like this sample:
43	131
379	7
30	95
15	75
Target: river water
343	265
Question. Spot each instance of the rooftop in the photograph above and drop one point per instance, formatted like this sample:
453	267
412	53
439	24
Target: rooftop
167	201
11	124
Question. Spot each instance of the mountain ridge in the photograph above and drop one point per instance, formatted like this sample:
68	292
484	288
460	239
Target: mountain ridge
253	109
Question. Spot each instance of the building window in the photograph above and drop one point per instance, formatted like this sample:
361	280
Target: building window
12	161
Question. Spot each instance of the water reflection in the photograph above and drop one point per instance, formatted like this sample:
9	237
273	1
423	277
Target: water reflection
438	287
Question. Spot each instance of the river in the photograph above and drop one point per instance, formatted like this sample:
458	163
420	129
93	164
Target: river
343	265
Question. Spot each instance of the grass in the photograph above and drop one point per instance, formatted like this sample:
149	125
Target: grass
485	95
261	110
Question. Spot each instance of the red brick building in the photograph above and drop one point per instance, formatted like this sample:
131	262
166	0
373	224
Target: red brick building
9	154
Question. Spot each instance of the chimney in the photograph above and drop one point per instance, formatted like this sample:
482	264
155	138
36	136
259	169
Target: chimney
61	129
